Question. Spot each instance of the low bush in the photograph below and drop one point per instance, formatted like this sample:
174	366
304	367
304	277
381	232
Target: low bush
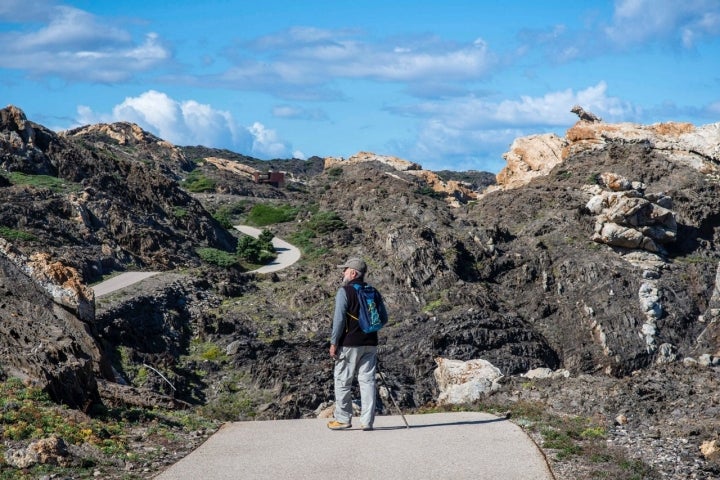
217	257
261	214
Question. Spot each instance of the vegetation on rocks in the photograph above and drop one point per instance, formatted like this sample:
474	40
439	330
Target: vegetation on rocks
551	274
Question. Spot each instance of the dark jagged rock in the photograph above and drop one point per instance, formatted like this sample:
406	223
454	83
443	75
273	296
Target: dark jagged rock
516	277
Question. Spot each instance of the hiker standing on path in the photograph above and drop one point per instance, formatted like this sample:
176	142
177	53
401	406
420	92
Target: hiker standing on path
354	351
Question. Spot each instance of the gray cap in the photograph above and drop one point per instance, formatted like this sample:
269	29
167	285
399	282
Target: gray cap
356	264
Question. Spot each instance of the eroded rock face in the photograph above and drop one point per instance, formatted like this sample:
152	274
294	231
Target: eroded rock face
626	217
42	341
535	155
530	157
61	282
457	193
23	144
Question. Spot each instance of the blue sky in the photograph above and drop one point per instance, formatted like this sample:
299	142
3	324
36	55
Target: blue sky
447	84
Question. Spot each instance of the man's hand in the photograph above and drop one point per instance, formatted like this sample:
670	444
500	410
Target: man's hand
333	351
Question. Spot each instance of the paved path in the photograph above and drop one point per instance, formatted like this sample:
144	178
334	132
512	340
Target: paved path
462	445
286	254
120	281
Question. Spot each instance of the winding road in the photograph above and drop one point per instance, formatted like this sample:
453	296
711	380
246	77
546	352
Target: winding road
287	254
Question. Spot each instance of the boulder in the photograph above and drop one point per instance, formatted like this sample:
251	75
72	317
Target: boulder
463	382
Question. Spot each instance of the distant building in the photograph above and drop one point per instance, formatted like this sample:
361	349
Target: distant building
276	179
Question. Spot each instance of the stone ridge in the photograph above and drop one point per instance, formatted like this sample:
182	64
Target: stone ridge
456	192
536	155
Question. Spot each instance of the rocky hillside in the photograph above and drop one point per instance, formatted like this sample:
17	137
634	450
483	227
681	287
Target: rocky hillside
593	254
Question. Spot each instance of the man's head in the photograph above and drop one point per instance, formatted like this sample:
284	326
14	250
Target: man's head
353	268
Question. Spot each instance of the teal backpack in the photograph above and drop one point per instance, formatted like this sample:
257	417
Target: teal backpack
373	315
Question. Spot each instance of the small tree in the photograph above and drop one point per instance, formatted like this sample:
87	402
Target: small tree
249	249
265	239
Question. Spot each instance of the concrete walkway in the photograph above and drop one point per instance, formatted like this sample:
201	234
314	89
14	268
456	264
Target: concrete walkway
462	445
287	254
120	281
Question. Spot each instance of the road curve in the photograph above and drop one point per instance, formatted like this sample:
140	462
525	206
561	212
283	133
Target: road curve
286	254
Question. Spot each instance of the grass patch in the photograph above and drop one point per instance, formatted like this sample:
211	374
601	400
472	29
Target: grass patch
196	182
226	215
431	306
320	223
14	235
262	214
54	184
27	414
207	351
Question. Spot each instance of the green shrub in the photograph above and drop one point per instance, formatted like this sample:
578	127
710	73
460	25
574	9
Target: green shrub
335	172
196	182
324	222
54	184
429	192
226	214
256	250
261	215
12	234
217	257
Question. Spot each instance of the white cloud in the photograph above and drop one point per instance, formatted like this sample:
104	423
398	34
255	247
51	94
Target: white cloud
470	127
639	21
266	142
289	111
313	58
192	123
76	45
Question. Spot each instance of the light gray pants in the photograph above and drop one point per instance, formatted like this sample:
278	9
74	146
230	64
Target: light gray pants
351	361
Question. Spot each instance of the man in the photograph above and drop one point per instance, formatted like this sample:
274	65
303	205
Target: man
354	351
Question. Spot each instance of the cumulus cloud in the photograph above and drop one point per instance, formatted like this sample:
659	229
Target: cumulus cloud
549	110
189	122
470	127
76	45
266	142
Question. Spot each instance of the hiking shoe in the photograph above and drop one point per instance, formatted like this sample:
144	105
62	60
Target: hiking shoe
335	425
366	428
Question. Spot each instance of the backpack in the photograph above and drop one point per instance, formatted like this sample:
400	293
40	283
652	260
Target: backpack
373	315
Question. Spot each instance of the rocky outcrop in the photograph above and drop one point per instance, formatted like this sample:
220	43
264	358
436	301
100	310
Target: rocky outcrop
62	283
23	144
361	157
456	192
41	340
130	142
530	157
50	450
626	217
535	155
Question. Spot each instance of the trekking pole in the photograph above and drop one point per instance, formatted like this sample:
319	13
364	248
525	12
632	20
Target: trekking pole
382	377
